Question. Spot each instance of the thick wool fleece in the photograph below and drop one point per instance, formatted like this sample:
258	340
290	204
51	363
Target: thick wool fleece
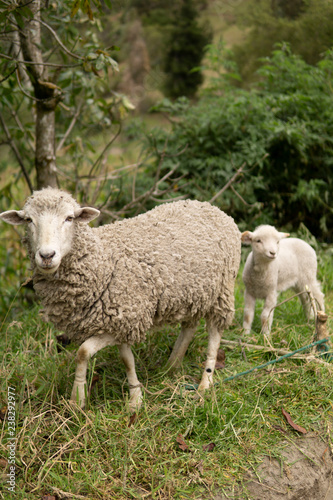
176	263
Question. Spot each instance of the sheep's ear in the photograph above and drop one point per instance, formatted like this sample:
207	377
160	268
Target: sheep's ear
247	237
283	235
86	214
13	217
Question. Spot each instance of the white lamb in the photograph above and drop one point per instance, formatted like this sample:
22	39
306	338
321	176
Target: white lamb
107	286
275	265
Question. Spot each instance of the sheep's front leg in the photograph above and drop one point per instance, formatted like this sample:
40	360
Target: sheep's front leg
268	312
133	382
181	345
213	347
249	308
85	352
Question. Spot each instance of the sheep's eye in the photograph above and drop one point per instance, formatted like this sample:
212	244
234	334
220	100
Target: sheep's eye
69	218
28	220
258	241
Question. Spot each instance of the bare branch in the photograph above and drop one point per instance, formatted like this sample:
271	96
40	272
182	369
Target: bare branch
228	184
16	152
64	48
8	76
104	151
241	198
33	63
70	128
21	127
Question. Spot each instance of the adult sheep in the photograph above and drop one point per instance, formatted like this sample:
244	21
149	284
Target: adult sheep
275	265
108	285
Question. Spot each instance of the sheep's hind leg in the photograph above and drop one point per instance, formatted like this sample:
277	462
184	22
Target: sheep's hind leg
133	382
213	347
85	352
181	345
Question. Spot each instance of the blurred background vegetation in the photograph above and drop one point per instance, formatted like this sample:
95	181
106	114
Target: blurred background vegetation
228	101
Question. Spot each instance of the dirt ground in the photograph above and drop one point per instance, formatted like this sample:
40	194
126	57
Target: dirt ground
303	472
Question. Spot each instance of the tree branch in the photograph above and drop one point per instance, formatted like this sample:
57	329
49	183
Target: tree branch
16	152
64	48
70	128
33	63
228	184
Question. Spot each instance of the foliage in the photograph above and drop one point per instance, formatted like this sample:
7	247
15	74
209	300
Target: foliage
76	67
101	452
306	25
184	52
282	131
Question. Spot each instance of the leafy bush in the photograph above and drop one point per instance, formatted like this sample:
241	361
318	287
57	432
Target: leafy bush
282	131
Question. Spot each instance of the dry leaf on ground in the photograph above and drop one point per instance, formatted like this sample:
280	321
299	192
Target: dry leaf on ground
296	427
181	443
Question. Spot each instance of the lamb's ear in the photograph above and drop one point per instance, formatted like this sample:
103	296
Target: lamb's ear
86	214
247	237
13	217
283	235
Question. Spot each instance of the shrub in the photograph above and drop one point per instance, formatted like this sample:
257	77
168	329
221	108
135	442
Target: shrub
282	130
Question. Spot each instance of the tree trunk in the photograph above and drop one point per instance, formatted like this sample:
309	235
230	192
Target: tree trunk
47	96
45	160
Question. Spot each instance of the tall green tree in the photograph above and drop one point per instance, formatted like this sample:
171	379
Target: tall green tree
184	52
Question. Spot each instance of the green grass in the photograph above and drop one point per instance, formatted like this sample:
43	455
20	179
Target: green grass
100	453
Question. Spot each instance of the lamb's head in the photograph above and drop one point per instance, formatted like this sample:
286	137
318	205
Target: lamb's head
265	241
50	215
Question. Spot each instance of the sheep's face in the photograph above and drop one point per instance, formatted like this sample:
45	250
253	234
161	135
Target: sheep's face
50	228
265	241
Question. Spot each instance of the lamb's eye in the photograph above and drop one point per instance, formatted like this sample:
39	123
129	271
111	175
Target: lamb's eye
28	220
69	218
258	241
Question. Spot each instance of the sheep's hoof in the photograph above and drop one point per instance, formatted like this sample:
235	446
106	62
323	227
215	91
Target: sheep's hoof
75	404
204	385
78	396
135	400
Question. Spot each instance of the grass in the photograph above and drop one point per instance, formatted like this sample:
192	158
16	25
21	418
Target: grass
102	452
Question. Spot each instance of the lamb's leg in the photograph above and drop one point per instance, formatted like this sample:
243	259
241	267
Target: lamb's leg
181	345
249	308
213	347
85	352
133	382
267	313
306	303
319	296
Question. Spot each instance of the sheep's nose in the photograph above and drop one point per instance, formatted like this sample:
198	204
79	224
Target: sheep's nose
47	255
272	253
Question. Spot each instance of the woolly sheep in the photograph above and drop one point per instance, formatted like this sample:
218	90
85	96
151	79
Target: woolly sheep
275	265
109	285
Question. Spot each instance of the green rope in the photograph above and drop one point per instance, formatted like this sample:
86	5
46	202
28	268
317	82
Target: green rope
322	344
